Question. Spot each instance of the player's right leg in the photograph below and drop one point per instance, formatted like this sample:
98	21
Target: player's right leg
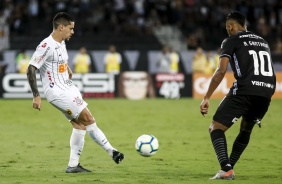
257	108
241	141
86	118
76	147
228	112
71	104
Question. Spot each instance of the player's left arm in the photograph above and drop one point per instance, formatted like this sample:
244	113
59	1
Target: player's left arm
69	72
215	81
217	76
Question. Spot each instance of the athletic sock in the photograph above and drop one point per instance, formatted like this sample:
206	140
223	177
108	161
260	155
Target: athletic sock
76	146
239	146
99	137
220	146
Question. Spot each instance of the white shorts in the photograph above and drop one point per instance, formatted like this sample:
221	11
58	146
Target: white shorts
70	103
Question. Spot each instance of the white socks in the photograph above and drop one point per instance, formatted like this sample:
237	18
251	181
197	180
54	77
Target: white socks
99	137
77	142
76	145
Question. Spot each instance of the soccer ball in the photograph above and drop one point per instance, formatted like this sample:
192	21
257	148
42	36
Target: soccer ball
147	145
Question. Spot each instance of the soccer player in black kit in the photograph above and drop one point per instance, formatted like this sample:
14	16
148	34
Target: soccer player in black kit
249	97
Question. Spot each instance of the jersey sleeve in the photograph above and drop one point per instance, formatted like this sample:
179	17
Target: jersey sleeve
40	55
227	48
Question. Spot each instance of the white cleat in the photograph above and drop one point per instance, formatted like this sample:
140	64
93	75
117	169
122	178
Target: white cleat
222	175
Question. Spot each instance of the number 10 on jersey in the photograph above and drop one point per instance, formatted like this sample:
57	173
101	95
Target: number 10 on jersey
260	62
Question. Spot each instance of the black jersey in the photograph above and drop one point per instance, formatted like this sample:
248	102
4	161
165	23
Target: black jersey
251	62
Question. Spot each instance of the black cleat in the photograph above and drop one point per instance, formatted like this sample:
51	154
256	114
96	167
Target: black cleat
76	169
117	156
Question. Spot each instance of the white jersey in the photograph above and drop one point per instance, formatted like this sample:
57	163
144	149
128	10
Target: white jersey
51	58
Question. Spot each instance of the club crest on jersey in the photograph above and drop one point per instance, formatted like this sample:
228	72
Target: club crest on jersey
78	101
68	111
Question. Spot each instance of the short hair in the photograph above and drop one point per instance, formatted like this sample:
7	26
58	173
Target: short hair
62	18
238	17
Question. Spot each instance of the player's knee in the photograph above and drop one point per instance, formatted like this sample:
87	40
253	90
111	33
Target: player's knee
89	120
210	128
86	119
247	126
216	125
82	127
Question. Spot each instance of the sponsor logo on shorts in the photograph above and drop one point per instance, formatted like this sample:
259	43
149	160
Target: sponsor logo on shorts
68	111
78	101
234	120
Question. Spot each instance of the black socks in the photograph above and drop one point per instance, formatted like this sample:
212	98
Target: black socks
220	146
239	146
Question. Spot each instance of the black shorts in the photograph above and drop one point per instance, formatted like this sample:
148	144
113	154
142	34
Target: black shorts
231	108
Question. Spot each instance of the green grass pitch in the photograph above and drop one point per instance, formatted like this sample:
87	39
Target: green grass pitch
34	145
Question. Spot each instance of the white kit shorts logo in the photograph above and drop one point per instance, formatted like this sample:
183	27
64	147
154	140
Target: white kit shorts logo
78	101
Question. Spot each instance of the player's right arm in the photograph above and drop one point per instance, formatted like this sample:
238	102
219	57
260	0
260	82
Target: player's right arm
31	77
38	58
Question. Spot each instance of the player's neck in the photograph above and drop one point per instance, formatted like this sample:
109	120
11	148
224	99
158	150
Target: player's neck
239	31
57	37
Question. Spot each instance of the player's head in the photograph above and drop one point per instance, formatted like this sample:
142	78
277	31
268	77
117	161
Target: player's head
235	22
64	23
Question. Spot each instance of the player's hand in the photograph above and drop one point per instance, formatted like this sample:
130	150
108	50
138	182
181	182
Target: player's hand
204	107
36	103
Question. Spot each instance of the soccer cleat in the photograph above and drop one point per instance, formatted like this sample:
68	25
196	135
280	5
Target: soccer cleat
222	175
76	169
117	156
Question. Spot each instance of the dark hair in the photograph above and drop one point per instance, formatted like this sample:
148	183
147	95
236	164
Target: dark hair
237	16
62	18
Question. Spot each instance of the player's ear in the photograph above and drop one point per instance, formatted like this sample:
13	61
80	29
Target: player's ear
230	28
61	27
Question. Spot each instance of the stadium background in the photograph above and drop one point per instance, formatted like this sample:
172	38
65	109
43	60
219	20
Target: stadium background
138	28
35	144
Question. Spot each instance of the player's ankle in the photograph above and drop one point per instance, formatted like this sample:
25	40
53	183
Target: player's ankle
226	168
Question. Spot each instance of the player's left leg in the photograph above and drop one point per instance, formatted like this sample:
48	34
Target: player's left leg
97	135
217	133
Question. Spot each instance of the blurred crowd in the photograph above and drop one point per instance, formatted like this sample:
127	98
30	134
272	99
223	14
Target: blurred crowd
201	21
205	61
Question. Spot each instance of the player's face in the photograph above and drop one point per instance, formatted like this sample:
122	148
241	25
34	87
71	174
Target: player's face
68	31
228	27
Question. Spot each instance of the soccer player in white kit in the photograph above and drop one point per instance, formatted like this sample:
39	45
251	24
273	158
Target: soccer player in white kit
51	58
